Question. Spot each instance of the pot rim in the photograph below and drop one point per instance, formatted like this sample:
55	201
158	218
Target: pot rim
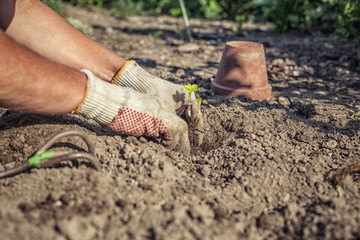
244	44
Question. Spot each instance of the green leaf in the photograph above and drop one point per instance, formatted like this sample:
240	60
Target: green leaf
191	88
199	103
175	12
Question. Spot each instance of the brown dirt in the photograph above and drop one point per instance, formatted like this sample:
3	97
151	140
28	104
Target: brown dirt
264	172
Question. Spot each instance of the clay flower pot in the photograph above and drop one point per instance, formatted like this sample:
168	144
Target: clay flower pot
242	72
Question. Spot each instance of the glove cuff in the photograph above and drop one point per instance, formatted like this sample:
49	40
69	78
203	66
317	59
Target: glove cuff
132	75
120	71
98	103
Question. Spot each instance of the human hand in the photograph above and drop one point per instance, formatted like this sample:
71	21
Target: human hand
126	111
173	95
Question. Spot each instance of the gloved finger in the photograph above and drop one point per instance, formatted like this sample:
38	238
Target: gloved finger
172	144
184	144
180	143
170	140
183	139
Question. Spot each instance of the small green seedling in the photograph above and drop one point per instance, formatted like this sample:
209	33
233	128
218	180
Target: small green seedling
192	116
199	103
191	88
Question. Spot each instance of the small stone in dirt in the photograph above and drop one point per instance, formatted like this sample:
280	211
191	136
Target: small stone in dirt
302	169
99	221
131	139
10	165
278	62
143	140
201	213
137	150
172	155
296	73
220	212
189	47
205	170
22	138
286	197
122	203
167	207
250	191
54	196
330	144
66	198
271	221
16	145
284	101
109	30
156	173
25	206
180	72
238	174
129	151
108	141
248	129
294	211
77	228
146	186
201	161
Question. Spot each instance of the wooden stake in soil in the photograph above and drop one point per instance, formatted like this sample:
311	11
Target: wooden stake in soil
186	20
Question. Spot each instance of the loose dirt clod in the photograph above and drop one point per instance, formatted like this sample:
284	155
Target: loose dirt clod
260	173
341	173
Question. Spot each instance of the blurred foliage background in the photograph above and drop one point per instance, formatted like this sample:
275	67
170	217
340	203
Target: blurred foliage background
339	17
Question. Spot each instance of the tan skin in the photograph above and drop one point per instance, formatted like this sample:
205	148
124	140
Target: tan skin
41	58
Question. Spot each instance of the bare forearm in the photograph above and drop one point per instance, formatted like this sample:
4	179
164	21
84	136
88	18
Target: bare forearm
42	30
31	83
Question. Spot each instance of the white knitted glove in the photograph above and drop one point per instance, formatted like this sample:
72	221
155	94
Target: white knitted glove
174	96
126	111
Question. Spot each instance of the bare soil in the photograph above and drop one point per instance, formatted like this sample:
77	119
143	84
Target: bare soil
265	171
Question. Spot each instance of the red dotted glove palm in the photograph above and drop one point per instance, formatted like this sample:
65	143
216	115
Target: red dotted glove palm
126	111
134	123
173	95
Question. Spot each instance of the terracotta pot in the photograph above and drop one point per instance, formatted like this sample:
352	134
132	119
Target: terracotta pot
242	72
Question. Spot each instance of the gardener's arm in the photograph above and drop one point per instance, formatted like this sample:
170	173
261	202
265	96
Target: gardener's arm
42	30
31	83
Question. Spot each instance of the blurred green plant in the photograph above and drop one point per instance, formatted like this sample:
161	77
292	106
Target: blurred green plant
210	8
348	21
340	17
284	14
83	27
126	8
54	5
97	3
158	34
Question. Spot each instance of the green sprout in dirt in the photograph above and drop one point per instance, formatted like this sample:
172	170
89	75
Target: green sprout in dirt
190	88
199	103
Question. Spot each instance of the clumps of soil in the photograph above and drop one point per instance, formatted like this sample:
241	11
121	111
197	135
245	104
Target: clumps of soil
341	173
263	172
